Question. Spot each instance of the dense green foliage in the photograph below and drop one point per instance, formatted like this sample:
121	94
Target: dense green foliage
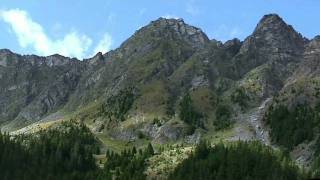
118	105
316	167
316	162
129	164
240	97
241	160
290	128
52	154
223	117
66	153
188	113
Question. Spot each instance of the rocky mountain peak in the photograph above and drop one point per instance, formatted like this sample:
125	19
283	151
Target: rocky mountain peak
270	22
274	33
5	51
5	55
171	29
169	21
232	42
57	60
162	31
99	55
317	38
96	59
179	27
233	45
314	45
272	26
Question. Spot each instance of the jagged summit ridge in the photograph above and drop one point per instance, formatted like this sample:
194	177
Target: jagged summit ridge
276	36
314	45
271	21
273	26
178	25
194	34
268	28
5	51
171	29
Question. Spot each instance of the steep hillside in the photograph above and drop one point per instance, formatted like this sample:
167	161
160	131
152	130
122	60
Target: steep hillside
295	109
169	83
33	87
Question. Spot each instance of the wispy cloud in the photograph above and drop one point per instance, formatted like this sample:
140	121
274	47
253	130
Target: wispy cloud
192	8
104	45
142	11
31	34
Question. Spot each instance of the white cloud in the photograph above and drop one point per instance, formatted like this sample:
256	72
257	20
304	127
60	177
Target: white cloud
191	8
142	11
31	34
170	16
104	45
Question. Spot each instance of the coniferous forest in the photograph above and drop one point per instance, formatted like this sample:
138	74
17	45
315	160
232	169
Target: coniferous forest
53	154
67	153
241	160
292	127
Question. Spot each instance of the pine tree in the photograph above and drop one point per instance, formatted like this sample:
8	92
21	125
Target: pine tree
150	150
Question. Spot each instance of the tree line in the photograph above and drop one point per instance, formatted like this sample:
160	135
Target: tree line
241	160
53	154
66	152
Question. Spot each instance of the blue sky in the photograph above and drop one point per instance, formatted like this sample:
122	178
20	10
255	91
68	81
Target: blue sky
80	28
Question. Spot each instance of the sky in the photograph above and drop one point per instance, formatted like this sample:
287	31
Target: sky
81	28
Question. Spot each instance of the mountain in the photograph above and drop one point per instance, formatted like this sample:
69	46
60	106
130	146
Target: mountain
33	87
170	83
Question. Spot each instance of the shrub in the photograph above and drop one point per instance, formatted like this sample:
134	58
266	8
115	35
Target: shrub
188	114
223	117
240	97
118	105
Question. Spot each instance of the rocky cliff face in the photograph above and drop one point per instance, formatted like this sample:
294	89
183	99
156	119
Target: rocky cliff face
33	86
269	56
